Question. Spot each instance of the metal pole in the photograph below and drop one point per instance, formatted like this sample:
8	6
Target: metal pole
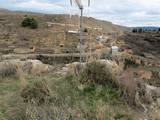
81	35
90	43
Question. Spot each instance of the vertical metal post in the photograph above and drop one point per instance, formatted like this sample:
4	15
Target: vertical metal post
81	35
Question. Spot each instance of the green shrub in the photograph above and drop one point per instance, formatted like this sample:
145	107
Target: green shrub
97	73
140	30
103	93
85	30
26	22
30	22
120	116
89	89
33	24
134	30
129	63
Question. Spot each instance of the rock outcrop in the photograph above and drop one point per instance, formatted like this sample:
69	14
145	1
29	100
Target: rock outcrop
34	67
113	66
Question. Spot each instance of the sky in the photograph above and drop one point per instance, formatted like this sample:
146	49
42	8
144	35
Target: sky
129	13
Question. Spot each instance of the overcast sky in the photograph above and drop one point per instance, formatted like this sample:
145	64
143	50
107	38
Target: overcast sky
121	12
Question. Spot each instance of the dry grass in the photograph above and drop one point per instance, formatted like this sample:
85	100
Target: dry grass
75	70
59	98
54	112
67	103
102	110
97	73
155	115
38	91
92	57
8	70
22	78
130	87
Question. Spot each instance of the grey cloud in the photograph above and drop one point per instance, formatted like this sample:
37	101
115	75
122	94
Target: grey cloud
123	12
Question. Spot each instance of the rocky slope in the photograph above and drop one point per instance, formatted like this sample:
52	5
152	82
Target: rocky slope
15	18
13	36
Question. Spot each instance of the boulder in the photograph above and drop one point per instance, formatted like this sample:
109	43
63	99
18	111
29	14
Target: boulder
72	67
29	66
152	94
156	74
113	66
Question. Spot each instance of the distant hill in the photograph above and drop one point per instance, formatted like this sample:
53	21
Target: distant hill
150	28
124	28
17	16
3	10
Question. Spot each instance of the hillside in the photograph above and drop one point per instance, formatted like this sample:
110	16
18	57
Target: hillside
43	18
47	38
41	78
149	28
143	42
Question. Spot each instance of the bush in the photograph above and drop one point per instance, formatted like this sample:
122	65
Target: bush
158	31
121	116
134	30
26	22
8	70
30	22
129	63
97	73
39	92
140	30
129	86
33	24
85	30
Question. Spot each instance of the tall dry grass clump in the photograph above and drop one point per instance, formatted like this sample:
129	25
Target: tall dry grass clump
22	77
97	73
130	87
75	70
34	95
38	91
8	69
